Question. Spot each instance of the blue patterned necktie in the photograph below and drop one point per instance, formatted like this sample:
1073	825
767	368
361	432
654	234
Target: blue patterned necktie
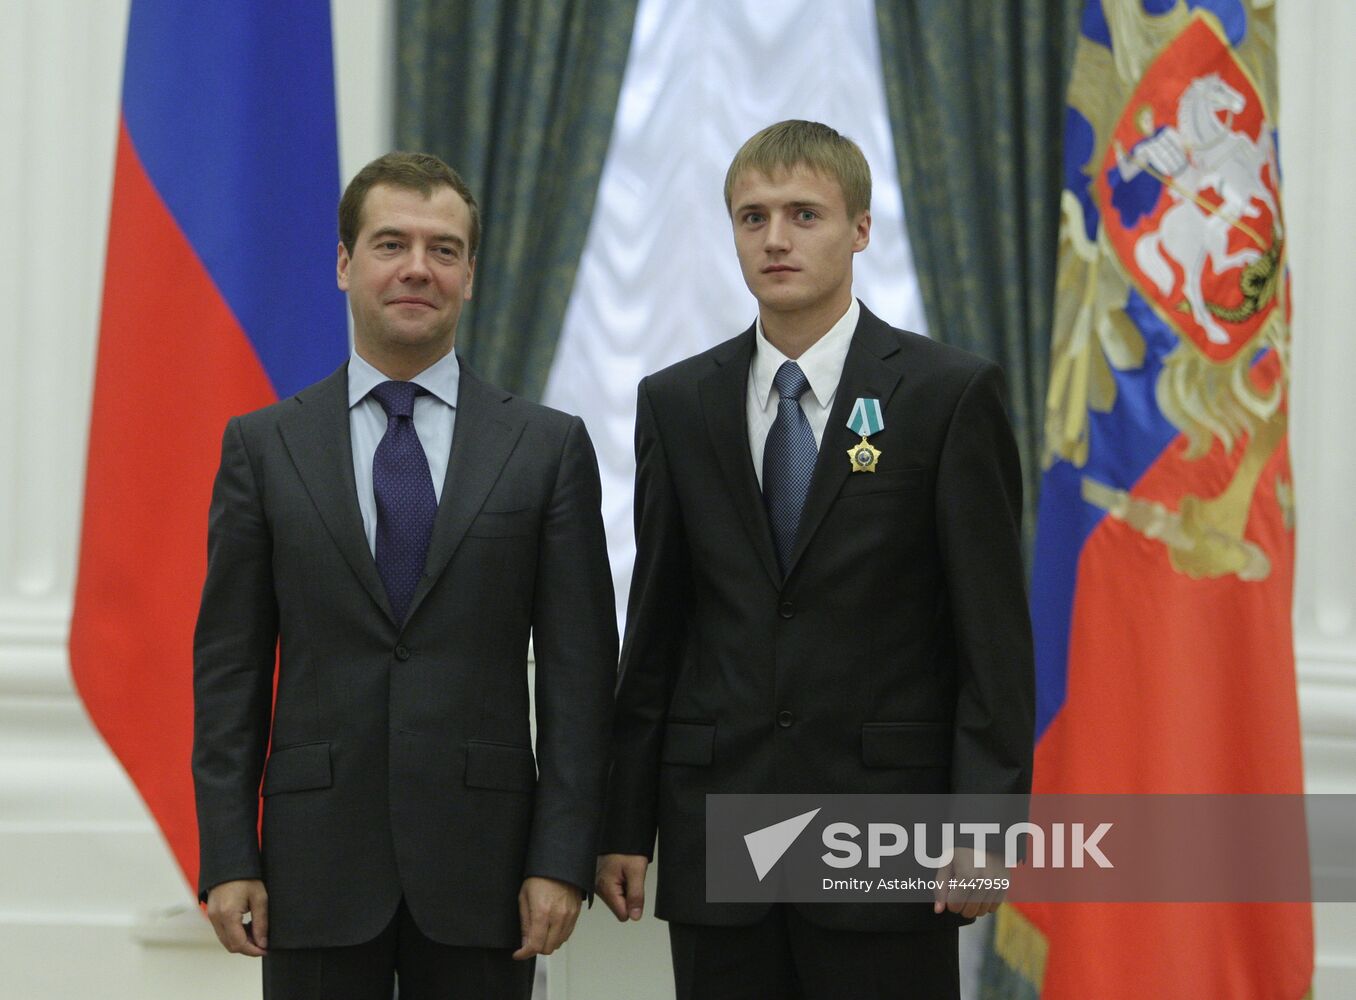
406	503
788	461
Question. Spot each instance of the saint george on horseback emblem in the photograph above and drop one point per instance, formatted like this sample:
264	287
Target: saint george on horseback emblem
1172	261
1190	184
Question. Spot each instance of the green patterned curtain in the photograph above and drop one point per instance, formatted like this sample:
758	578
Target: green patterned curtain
518	96
975	91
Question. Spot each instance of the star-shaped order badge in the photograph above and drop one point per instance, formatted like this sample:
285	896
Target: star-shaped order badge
866	419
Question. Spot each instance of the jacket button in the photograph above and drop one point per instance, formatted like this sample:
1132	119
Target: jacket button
787	610
402	652
784	718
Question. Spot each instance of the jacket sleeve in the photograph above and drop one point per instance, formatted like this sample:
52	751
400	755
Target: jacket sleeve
979	514
234	653
652	652
574	630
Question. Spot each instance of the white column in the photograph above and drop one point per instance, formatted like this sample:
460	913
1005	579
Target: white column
1318	150
1318	160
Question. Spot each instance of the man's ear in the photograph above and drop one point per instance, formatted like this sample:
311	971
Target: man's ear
341	267
470	279
862	235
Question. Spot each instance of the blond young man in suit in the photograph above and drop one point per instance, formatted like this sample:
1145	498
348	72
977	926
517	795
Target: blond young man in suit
804	618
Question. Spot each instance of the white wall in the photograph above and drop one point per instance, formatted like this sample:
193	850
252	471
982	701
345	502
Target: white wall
82	869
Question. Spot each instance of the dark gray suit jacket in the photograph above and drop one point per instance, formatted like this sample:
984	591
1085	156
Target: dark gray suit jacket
397	760
894	657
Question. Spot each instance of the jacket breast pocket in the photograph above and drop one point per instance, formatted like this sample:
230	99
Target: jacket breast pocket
906	744
299	768
502	523
885	481
502	767
691	743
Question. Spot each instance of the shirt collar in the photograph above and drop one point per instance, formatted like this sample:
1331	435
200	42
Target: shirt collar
822	363
442	379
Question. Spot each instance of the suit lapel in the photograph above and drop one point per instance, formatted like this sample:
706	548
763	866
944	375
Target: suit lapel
317	437
482	441
865	373
723	398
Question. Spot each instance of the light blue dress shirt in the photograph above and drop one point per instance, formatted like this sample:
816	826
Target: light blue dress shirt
435	417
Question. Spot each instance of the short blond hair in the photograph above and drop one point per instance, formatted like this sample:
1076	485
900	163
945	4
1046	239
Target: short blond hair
795	143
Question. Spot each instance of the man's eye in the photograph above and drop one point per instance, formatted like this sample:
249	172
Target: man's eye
449	252
753	218
390	245
806	215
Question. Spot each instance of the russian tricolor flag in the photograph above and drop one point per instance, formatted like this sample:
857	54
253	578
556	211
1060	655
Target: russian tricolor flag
219	297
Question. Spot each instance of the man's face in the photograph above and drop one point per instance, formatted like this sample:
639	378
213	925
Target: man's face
795	240
409	273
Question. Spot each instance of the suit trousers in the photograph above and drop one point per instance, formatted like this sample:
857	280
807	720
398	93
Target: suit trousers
787	957
425	969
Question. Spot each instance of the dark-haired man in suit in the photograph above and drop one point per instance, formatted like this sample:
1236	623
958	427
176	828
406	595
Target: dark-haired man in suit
828	593
395	532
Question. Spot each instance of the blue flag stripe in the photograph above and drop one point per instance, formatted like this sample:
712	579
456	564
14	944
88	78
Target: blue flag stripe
231	109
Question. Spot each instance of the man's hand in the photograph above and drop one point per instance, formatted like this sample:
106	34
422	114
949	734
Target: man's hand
620	883
239	914
547	910
972	885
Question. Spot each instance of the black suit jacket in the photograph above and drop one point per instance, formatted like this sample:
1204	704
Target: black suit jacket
399	760
894	657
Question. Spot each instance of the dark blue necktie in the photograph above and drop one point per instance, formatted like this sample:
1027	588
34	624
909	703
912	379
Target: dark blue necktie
406	502
788	461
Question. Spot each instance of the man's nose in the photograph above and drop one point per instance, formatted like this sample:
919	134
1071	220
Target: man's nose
777	235
415	266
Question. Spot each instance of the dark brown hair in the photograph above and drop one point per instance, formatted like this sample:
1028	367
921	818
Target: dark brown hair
422	172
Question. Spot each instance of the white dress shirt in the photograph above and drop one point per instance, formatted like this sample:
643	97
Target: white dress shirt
823	368
435	416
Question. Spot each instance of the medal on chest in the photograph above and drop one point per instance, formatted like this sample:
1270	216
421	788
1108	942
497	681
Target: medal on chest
866	419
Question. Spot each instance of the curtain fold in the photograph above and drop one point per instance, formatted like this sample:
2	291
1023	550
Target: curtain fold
519	96
975	92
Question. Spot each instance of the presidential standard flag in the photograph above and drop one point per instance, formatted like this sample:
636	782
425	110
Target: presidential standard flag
219	297
1161	593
